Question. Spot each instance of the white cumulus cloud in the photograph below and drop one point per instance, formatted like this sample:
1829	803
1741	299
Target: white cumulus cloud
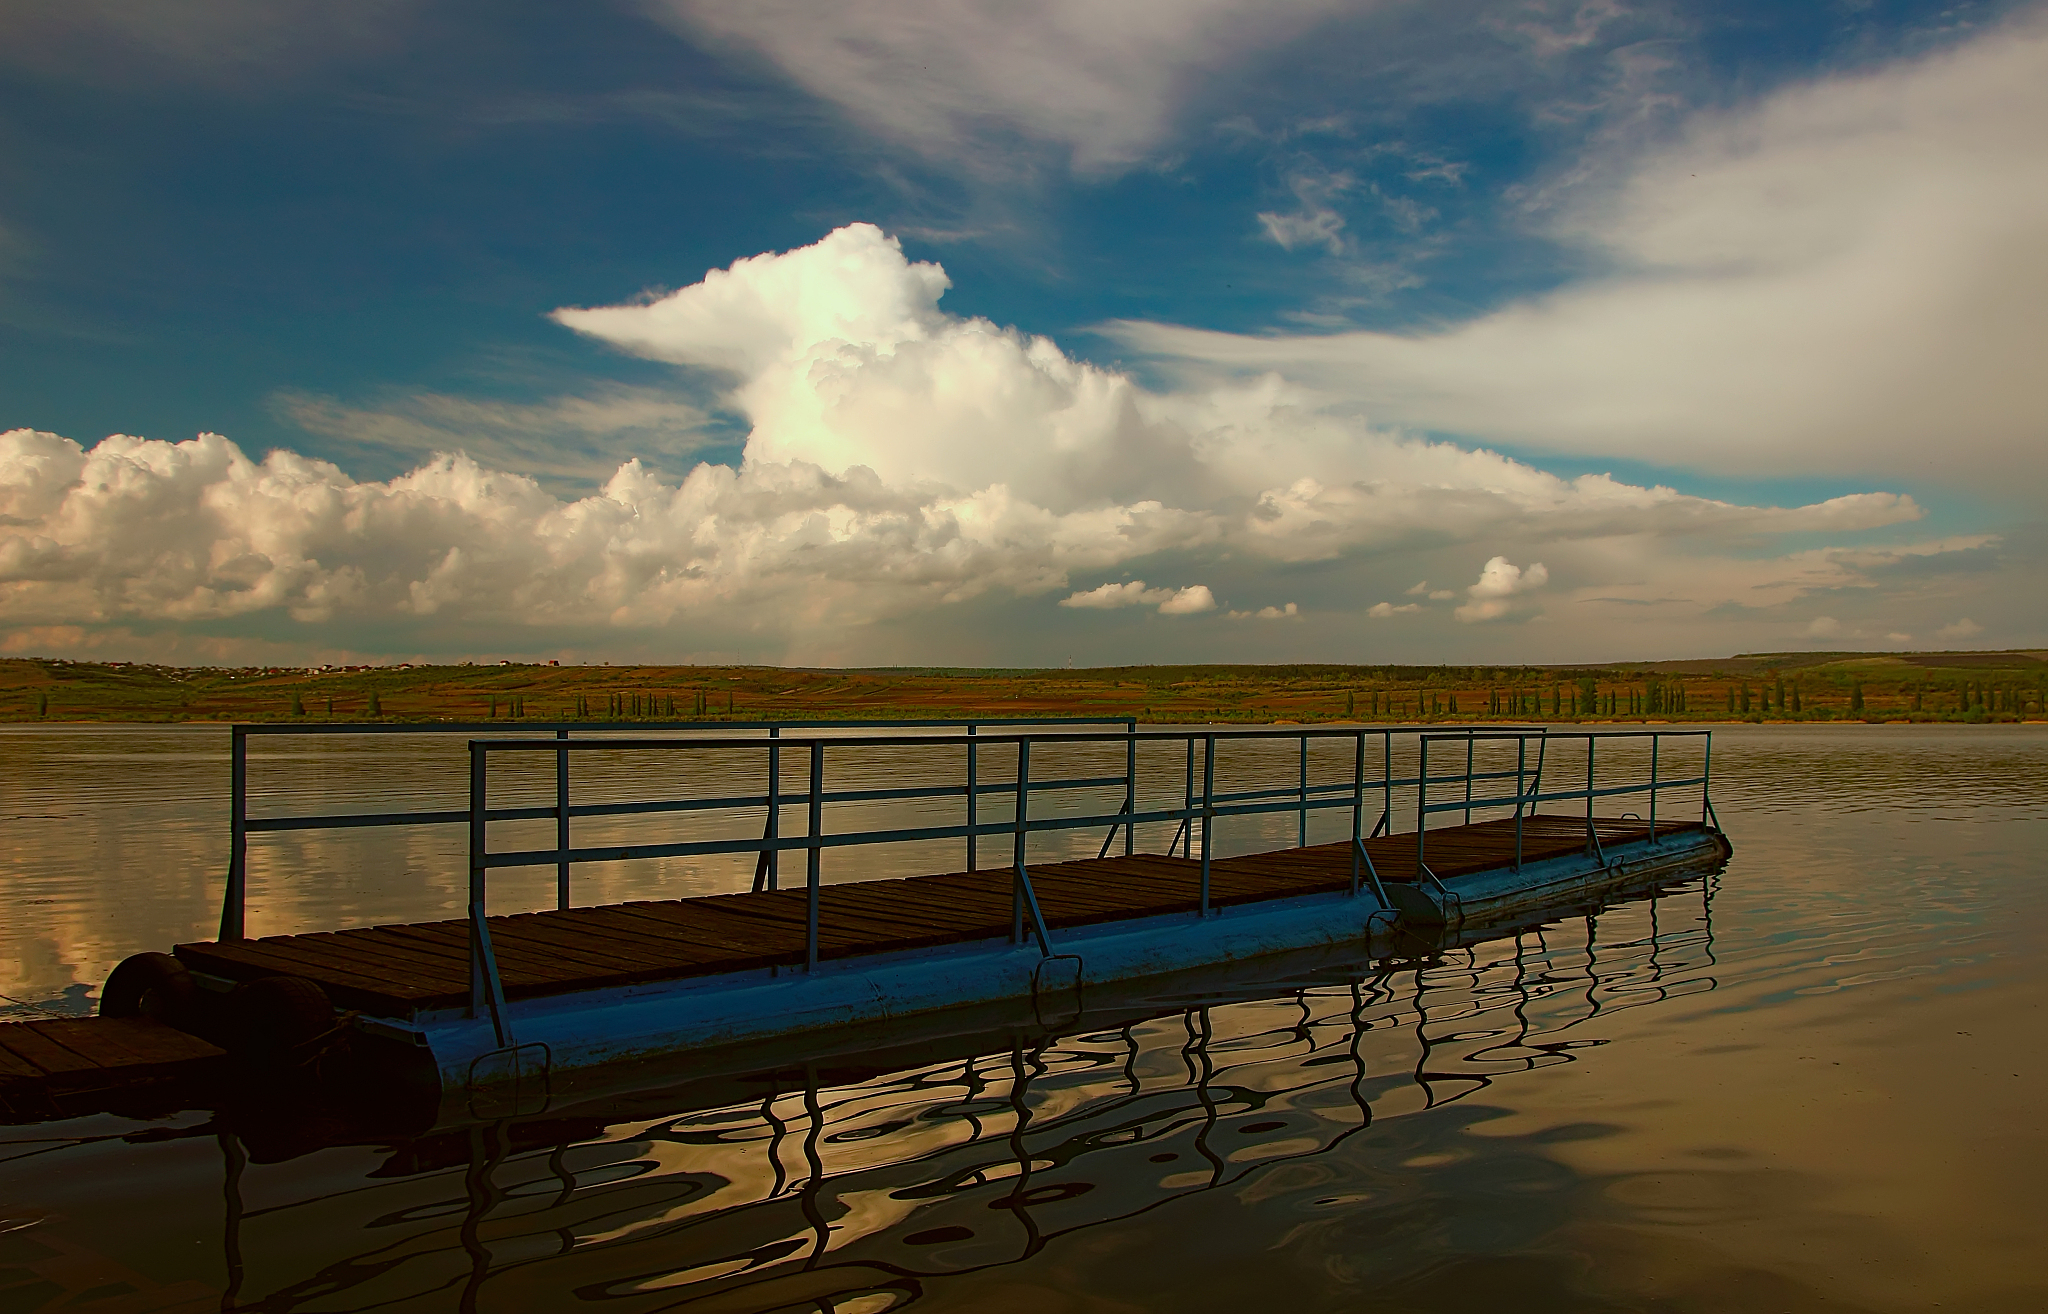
1824	627
1193	599
1170	602
1500	581
898	460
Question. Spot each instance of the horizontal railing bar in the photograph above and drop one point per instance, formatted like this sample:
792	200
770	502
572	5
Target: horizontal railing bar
852	839
1509	800
1611	790
1503	773
343	821
883	741
847	839
550	727
1294	791
1260	809
1459	736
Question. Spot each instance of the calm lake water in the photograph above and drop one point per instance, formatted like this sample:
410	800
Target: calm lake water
1810	1083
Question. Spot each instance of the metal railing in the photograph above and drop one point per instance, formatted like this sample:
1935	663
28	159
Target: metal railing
1198	809
1029	804
234	899
1529	781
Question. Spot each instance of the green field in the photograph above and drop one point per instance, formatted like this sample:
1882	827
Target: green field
1810	686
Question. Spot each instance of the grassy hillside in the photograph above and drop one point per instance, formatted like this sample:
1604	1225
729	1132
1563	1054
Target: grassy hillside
1967	686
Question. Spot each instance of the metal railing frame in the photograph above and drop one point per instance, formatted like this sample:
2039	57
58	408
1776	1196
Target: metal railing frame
1529	784
1204	805
1200	802
234	899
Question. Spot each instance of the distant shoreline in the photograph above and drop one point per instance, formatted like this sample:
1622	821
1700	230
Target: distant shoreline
1951	689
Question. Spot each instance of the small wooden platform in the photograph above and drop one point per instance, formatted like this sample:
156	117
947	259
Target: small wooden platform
67	1066
394	970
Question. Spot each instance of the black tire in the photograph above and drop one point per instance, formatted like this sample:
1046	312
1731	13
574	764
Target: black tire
152	985
272	1014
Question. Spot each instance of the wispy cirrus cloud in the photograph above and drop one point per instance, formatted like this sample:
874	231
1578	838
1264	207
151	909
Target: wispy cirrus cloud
1844	275
1101	84
217	42
571	441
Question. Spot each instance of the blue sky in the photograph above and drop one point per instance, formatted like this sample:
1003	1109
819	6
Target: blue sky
1359	332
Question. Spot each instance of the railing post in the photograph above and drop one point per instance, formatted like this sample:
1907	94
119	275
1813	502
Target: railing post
1187	808
1707	780
973	799
1387	780
1655	740
1024	899
1208	810
561	823
812	855
486	990
234	899
1592	836
1521	791
1019	816
1470	745
773	828
1421	798
1301	828
1131	785
1357	807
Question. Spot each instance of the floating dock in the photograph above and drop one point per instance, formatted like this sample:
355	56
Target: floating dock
491	1002
406	971
62	1067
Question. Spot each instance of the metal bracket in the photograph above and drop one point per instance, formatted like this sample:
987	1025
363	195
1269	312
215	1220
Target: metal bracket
511	1082
484	973
1056	981
1372	875
1023	875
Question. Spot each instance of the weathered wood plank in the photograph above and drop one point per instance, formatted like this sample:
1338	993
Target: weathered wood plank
129	1044
577	948
49	1056
14	1067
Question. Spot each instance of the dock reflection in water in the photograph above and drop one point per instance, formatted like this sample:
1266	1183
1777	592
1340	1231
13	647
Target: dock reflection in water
1833	1106
862	1191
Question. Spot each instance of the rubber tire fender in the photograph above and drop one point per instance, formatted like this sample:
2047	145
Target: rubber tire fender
270	1014
152	985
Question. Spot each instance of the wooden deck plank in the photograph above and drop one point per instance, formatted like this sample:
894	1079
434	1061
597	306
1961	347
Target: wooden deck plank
689	932
394	967
268	959
444	955
50	1056
736	957
574	945
715	928
642	940
515	960
134	1045
13	1067
404	959
642	935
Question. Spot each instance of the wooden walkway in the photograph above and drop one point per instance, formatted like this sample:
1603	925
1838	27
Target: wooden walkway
392	970
73	1065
